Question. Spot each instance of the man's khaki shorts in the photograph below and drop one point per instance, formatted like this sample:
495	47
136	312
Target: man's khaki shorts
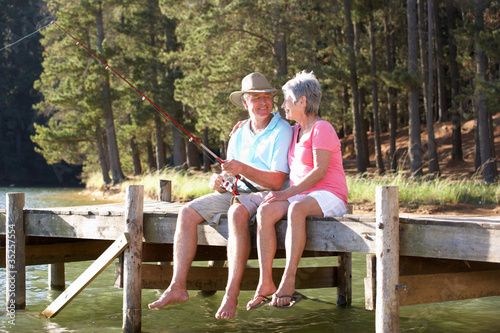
215	203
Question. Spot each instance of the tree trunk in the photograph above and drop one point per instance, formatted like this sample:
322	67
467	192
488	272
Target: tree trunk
179	148
136	158
345	110
206	158
354	89
488	164
192	156
151	156
160	144
161	159
114	157
391	92
415	144
279	43
362	93
378	149
102	153
457	152
427	57
443	104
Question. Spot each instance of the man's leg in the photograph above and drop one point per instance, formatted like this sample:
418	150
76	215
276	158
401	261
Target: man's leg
238	250
185	242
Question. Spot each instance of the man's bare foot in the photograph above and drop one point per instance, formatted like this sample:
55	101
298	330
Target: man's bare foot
170	296
227	308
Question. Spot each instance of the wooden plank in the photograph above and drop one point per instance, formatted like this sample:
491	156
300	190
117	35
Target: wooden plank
413	267
434	288
61	252
43	224
215	278
450	240
87	277
154	252
423	266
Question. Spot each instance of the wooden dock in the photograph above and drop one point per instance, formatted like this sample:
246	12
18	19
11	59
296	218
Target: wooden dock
410	259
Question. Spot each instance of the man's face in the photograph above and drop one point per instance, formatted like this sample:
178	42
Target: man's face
259	104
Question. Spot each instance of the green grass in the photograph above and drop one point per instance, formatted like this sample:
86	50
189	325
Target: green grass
186	185
438	191
190	184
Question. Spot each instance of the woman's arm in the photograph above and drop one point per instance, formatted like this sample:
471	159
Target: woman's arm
321	160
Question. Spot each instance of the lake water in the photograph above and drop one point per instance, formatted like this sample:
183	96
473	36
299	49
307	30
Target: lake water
98	308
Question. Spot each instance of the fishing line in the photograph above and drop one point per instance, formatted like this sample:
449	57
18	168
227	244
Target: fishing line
27	36
210	156
144	97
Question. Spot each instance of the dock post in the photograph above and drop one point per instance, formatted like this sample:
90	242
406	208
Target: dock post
165	190
344	278
132	259
56	276
387	253
15	261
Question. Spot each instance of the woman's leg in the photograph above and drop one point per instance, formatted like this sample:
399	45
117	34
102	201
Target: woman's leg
295	243
267	217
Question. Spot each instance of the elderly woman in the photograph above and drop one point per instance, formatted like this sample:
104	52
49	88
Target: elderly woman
317	188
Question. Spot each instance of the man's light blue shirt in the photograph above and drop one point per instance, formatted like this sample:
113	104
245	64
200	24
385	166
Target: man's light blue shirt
266	151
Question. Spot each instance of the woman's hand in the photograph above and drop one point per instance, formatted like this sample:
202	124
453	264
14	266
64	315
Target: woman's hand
238	125
216	182
276	196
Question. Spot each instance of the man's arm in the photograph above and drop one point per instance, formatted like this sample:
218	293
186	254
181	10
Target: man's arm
268	179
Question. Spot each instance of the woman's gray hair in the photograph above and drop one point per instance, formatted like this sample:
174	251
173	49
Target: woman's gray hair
305	84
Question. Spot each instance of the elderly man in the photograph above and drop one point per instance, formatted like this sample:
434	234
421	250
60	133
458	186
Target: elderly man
258	152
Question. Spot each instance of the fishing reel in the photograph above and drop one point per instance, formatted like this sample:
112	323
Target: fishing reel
231	185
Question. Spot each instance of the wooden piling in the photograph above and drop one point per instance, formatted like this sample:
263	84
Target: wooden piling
387	253
165	190
344	278
56	276
15	260
132	259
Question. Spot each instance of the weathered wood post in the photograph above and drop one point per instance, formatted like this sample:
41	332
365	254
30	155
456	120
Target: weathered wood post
387	252
165	190
15	261
132	259
344	278
56	276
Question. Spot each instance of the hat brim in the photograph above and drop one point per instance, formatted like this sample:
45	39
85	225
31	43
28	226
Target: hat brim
235	97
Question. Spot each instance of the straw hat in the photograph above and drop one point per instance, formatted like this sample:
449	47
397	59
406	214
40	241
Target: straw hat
252	83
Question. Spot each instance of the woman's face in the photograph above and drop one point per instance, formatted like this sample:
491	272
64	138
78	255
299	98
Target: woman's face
291	109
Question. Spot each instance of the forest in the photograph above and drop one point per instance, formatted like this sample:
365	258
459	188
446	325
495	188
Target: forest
383	65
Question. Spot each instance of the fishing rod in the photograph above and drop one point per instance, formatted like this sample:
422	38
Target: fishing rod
144	97
230	183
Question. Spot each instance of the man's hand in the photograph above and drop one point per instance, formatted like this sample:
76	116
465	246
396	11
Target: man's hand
233	167
216	182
